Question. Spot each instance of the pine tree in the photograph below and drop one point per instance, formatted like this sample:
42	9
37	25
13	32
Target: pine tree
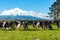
55	9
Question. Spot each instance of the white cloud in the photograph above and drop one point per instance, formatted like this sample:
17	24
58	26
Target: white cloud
17	11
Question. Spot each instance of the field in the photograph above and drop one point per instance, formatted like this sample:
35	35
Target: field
30	34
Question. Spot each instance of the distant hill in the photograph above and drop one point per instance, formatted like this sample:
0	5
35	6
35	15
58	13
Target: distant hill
17	17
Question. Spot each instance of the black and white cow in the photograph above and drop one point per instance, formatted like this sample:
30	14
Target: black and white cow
42	24
47	24
37	24
6	25
11	24
17	24
25	24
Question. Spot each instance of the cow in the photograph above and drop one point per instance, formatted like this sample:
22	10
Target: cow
6	25
38	24
11	24
17	24
41	24
25	24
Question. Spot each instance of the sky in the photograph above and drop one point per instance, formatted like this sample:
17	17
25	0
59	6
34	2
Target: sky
29	5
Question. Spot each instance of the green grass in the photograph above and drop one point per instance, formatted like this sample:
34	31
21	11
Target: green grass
30	34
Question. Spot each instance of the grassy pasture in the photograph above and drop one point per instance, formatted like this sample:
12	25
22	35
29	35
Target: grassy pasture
30	34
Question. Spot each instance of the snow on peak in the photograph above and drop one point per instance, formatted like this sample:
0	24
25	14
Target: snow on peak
20	12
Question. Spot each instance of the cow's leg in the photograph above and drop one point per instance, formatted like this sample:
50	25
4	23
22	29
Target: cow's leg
27	27
58	26
42	26
50	27
34	26
24	27
6	28
18	26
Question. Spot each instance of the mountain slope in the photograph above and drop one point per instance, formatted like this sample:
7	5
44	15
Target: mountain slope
17	17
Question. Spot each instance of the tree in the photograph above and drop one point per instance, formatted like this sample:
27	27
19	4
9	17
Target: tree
55	9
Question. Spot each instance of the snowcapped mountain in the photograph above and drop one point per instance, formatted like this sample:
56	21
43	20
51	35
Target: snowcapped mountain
17	13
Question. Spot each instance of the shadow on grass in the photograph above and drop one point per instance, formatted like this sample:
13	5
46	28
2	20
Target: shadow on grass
29	30
2	29
20	30
55	29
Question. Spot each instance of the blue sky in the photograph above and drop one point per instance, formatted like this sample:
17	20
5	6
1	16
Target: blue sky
29	5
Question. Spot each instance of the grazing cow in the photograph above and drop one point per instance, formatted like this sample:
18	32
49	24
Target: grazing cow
41	24
47	24
38	24
44	24
6	25
12	24
25	25
17	24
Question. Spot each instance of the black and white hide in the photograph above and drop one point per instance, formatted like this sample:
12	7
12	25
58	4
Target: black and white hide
25	25
6	25
36	25
18	24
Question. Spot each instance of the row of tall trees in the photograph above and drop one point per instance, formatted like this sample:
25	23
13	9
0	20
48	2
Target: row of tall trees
55	10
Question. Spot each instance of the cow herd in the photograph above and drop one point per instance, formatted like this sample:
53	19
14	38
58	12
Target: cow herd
25	24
